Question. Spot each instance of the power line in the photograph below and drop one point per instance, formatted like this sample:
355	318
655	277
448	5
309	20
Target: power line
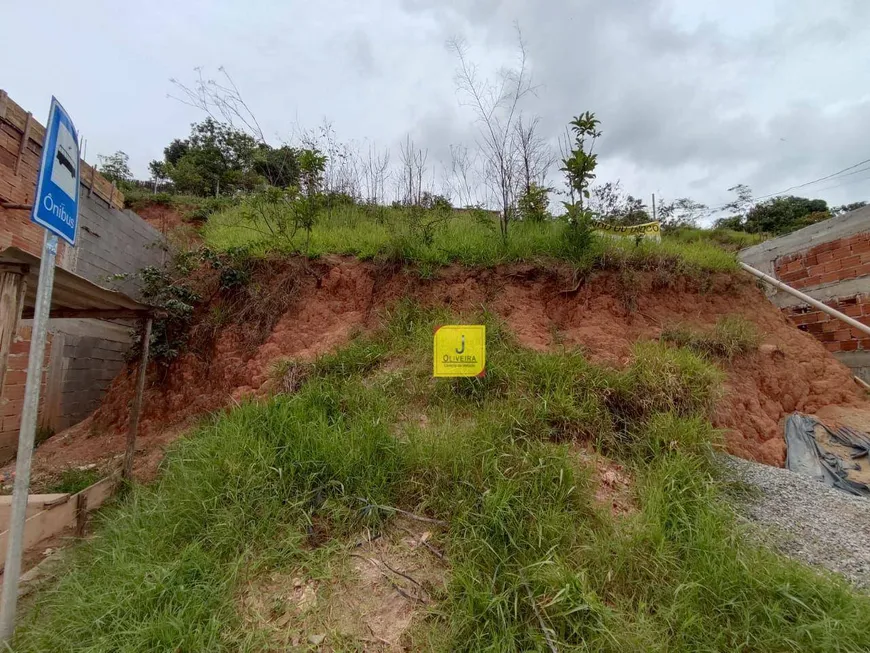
845	183
814	181
716	209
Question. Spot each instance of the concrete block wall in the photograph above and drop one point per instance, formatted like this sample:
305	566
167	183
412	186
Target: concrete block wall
93	354
113	241
830	261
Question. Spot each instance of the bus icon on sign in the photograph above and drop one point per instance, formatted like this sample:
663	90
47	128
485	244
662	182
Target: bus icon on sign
56	201
66	155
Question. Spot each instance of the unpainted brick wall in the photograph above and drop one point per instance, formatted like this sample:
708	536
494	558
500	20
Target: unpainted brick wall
828	264
12	398
837	260
834	334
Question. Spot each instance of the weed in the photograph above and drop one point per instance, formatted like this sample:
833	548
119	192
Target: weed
663	380
733	335
43	433
727	239
289	376
73	480
169	290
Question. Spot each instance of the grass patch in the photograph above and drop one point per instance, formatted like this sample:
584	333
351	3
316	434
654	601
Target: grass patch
727	239
526	544
395	234
732	336
73	480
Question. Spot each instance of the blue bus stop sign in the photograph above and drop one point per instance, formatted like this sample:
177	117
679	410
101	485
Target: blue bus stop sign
56	203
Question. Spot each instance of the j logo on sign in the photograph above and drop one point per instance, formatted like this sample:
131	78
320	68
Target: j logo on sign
459	350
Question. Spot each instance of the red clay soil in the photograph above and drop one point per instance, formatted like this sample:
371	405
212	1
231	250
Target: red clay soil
162	217
335	297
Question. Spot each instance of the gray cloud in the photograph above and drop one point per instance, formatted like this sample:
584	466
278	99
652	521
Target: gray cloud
750	102
694	95
359	53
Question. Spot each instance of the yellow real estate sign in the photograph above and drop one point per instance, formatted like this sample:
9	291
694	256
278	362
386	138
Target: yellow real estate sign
647	231
460	350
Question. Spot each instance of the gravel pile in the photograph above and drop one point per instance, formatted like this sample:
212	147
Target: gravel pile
808	520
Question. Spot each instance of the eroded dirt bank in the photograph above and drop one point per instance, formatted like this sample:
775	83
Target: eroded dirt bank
320	305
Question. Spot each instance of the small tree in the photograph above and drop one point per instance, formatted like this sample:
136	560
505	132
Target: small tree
846	208
535	154
580	163
738	208
782	215
158	171
217	158
312	165
115	167
579	167
410	181
682	212
278	165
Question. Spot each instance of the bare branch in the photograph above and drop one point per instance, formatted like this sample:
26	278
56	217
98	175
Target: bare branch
496	105
221	103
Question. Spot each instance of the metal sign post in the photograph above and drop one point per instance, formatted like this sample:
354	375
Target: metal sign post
55	207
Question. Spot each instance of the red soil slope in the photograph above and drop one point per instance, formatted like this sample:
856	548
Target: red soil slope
337	297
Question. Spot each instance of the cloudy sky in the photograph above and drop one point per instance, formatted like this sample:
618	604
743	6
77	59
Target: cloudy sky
694	96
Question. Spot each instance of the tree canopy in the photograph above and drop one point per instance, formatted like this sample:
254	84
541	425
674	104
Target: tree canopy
778	215
218	158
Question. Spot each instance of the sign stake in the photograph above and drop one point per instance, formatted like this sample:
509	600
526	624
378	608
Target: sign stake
56	208
12	569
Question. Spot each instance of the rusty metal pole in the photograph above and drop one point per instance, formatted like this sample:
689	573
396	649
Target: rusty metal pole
136	409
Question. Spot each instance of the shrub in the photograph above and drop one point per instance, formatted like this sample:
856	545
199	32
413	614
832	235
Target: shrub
532	204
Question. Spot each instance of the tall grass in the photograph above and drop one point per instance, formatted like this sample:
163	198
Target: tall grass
531	554
725	238
391	233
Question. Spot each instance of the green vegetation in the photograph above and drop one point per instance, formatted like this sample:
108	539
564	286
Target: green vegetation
74	480
218	158
727	239
530	553
411	234
775	216
731	336
778	216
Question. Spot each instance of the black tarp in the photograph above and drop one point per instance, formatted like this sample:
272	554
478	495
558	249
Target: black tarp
805	456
